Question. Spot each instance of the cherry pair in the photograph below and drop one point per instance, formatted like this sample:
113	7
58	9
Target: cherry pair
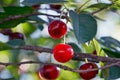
62	52
51	72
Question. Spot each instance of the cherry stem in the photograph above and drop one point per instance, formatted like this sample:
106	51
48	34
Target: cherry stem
61	13
64	39
78	10
86	60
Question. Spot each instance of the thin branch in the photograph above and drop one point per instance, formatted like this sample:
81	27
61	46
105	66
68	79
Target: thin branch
35	48
84	4
90	57
60	66
101	9
28	15
77	56
38	13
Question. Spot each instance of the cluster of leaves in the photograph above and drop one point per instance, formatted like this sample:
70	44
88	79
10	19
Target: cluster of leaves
83	31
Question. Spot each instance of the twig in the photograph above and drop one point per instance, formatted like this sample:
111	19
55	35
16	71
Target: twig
98	10
28	15
35	48
90	57
77	56
59	65
84	4
103	8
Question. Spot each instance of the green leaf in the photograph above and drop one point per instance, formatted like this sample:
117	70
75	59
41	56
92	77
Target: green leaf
16	42
110	43
114	73
28	28
12	23
98	48
99	5
11	12
15	10
116	4
75	47
111	53
105	74
84	25
14	71
47	41
68	75
34	2
96	17
89	48
4	46
9	2
38	19
41	27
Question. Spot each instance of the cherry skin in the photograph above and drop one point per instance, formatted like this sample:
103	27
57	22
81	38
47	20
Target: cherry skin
49	71
90	74
16	35
7	31
36	7
55	6
94	52
57	29
63	52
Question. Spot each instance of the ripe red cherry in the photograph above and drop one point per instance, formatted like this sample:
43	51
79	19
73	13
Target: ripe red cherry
49	71
63	52
6	31
57	29
55	6
94	52
36	7
16	35
90	74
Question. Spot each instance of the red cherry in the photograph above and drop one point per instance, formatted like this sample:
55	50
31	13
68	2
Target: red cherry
6	31
49	71
36	7
55	6
90	74
16	35
57	29
94	52
63	52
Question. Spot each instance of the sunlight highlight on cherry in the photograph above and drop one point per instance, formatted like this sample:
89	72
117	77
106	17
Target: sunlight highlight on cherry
63	52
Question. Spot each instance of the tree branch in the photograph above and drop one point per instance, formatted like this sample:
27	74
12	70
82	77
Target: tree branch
59	65
101	9
38	13
77	56
28	15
